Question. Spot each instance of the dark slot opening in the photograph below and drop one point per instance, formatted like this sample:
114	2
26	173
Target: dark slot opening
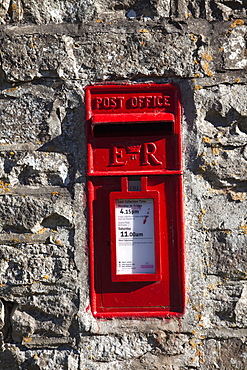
133	129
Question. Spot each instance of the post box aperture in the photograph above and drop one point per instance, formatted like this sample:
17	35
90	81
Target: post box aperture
135	200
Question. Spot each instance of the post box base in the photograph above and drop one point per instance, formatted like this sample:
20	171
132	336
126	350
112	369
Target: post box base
162	298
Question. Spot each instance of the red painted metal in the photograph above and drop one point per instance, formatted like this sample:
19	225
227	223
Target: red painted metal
134	134
118	137
144	193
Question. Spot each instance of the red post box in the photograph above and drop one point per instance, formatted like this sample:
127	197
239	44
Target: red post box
135	200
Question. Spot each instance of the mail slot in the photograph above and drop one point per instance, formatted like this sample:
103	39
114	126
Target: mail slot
135	201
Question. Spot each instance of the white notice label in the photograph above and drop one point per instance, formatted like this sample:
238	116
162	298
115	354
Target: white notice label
135	236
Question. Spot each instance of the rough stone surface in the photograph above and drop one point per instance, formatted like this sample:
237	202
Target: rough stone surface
49	51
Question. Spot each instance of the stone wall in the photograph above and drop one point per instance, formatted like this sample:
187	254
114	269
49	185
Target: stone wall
49	51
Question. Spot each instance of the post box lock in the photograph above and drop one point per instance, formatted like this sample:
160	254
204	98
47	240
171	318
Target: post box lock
135	200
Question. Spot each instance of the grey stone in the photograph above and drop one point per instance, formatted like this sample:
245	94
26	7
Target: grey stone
2	315
213	219
109	348
4	6
228	354
131	14
49	51
23	325
9	359
28	213
241	308
124	55
45	263
37	359
40	169
234	47
226	255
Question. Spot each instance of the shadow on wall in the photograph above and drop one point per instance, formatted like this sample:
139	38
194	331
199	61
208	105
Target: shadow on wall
71	142
189	128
